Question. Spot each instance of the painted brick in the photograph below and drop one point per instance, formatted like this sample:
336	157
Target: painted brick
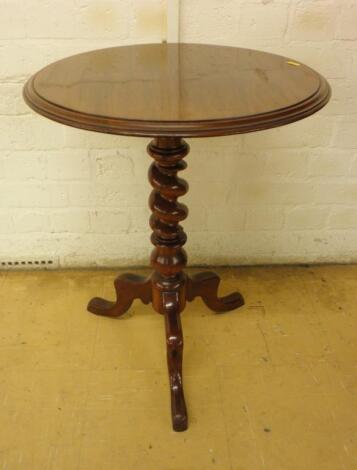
24	165
264	218
68	165
347	21
263	192
110	221
2	170
343	101
346	133
20	195
139	217
108	164
223	20
329	162
287	162
32	195
81	19
244	165
336	193
141	162
306	218
266	20
214	194
30	132
226	220
6	222
31	221
79	139
314	131
120	195
283	195
80	194
11	27
354	166
314	21
20	59
344	218
75	221
332	62
202	164
149	20
11	101
196	220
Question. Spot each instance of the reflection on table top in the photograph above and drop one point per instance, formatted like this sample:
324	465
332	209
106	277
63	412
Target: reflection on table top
181	87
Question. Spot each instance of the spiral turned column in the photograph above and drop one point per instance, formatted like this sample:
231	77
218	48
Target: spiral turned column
169	258
169	288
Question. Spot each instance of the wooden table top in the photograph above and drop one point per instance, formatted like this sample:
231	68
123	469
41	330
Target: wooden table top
186	90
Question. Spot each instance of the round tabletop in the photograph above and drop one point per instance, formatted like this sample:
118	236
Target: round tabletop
185	90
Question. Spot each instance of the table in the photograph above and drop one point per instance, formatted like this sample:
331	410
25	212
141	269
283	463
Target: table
169	92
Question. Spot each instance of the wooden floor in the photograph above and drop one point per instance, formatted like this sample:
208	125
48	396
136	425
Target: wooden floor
272	386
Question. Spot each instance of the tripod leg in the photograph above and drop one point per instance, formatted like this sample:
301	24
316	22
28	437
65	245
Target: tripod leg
174	344
128	287
205	285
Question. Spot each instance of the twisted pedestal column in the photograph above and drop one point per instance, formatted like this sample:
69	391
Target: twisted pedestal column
169	287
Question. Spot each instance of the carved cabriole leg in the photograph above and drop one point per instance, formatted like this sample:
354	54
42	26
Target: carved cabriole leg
169	258
205	285
128	287
174	345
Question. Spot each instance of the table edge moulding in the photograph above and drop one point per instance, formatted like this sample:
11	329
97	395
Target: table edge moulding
169	287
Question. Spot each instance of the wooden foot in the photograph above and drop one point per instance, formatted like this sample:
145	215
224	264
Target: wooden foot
128	287
205	285
174	344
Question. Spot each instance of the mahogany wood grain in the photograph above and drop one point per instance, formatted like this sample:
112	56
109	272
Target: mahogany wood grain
179	90
174	344
205	285
128	287
169	92
169	287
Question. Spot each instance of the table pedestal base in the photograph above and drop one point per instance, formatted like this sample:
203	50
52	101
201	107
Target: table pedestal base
169	287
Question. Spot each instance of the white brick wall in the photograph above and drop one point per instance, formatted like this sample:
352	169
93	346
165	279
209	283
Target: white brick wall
294	187
283	195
